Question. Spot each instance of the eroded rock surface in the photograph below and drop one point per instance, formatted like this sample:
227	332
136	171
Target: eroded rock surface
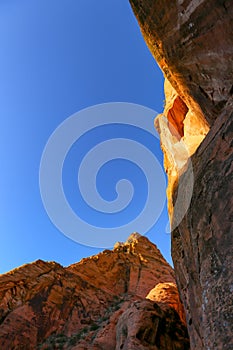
192	42
144	325
181	132
166	295
46	306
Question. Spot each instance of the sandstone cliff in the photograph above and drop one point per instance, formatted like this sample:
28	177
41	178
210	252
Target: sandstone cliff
192	42
120	299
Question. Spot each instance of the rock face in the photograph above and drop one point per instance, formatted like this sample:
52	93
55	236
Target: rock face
104	302
144	325
192	42
181	132
166	295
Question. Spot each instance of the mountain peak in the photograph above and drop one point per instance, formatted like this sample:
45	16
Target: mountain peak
89	304
133	237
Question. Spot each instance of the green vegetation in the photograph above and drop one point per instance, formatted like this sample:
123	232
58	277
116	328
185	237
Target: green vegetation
61	341
55	341
94	327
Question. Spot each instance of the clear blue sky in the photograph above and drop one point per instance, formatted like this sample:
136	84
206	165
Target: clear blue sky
58	57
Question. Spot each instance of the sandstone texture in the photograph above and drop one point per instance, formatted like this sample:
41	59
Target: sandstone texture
192	41
181	132
113	300
166	295
144	325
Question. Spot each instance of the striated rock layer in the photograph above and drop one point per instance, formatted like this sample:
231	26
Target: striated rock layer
120	299
192	41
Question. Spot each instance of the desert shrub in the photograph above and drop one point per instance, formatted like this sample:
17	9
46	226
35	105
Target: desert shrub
94	327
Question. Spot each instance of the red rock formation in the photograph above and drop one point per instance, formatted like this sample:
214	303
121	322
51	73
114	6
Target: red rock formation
166	296
176	116
180	137
46	306
144	325
192	42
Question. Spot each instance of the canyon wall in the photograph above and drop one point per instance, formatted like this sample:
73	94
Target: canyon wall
125	299
192	41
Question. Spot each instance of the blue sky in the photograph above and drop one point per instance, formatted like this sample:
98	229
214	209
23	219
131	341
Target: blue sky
58	57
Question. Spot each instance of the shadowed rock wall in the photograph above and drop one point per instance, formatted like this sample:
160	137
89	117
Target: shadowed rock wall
192	42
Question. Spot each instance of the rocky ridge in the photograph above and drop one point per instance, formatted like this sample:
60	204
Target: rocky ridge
120	299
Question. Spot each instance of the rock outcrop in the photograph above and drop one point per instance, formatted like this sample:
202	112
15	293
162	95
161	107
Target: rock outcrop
109	301
192	42
144	325
181	132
